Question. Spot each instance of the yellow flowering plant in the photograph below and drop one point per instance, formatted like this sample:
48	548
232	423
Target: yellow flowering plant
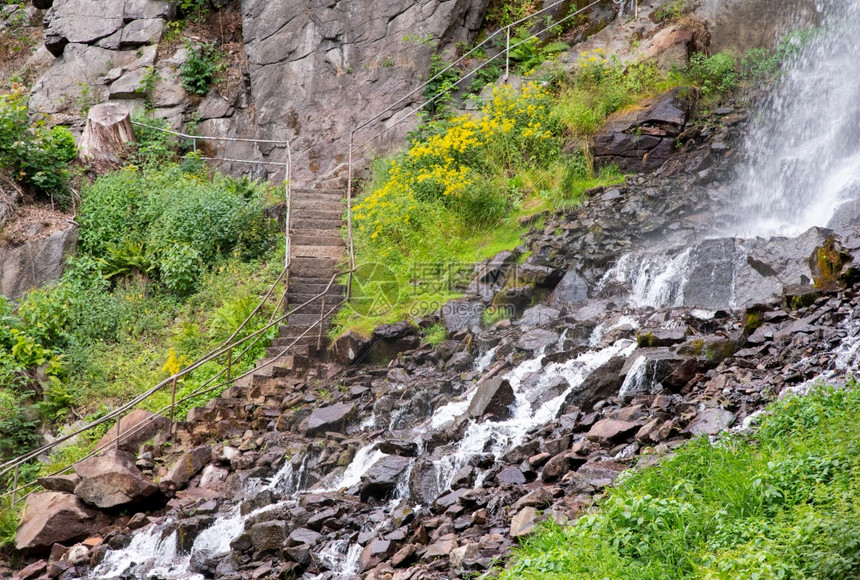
447	169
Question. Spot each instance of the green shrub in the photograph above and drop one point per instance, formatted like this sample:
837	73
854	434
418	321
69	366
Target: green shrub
180	269
201	68
716	74
36	156
440	89
153	148
132	221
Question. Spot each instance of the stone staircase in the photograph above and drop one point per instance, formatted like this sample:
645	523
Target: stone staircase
262	399
317	249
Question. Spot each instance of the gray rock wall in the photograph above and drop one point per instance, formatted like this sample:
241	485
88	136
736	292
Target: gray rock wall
317	70
35	263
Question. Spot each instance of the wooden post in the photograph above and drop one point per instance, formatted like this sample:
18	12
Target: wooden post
15	486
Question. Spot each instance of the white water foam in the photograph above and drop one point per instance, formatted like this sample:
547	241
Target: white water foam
654	281
500	437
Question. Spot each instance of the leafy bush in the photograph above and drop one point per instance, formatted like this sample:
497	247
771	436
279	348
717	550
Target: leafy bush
35	155
531	52
154	148
201	68
600	86
440	89
169	224
715	74
180	269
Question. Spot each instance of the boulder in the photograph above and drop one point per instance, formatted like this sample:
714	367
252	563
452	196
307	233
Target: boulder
608	431
492	400
524	522
538	316
441	548
571	291
389	340
324	419
382	477
135	428
267	536
374	552
646	371
62	483
36	262
711	421
603	382
81	21
112	480
350	347
459	315
536	339
56	518
643	138
186	467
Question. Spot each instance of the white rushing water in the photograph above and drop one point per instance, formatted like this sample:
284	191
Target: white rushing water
804	164
652	280
154	554
500	437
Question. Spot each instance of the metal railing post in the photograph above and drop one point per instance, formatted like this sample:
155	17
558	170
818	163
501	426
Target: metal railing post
15	487
172	403
118	432
322	318
508	54
349	216
229	364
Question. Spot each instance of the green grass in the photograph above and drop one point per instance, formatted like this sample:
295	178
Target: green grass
783	502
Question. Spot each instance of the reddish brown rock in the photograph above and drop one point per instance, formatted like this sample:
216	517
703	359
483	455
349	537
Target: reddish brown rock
611	430
112	480
135	428
56	518
185	468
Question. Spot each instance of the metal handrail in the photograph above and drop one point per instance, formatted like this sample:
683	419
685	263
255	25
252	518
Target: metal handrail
14	464
508	47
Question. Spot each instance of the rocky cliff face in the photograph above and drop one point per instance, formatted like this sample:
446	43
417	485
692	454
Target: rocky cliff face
316	70
303	72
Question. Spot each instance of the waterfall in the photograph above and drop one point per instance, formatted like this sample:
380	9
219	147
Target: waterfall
804	154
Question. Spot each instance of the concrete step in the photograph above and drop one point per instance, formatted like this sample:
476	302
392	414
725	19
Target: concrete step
320	233
301	192
306	213
336	252
301	286
304	320
332	224
303	239
323	203
313	267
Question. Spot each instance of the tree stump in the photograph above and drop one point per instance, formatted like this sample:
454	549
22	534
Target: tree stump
107	135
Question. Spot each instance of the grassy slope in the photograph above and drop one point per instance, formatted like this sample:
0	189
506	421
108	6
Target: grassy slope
781	502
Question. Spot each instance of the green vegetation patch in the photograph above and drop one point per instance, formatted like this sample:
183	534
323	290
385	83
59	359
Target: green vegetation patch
781	502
